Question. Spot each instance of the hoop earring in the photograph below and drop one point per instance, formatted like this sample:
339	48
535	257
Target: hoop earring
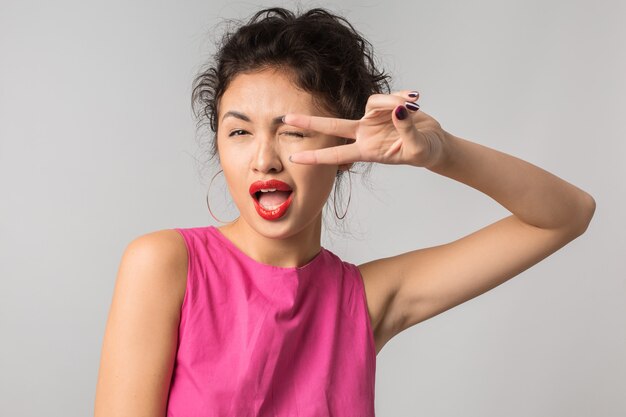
349	197
207	200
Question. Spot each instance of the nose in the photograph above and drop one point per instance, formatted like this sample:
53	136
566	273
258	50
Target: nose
266	156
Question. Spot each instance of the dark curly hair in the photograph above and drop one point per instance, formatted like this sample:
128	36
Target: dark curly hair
323	51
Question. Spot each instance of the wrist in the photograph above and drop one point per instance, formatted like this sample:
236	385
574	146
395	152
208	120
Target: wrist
442	152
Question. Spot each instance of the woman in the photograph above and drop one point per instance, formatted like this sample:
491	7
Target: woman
255	318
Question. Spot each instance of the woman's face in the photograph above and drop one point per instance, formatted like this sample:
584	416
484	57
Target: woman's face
254	145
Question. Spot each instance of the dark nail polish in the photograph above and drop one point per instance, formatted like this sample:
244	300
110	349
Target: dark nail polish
401	112
414	94
412	106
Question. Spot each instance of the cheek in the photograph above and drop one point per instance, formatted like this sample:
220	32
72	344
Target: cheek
230	154
318	180
234	172
310	143
321	175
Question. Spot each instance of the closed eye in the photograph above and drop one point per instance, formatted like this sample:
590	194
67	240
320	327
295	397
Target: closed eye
297	134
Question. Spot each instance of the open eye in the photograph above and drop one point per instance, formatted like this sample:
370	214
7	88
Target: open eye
237	132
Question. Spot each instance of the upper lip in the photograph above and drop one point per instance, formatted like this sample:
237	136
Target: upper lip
273	183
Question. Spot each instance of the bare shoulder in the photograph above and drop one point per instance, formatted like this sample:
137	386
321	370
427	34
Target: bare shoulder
163	257
167	242
381	280
166	247
139	346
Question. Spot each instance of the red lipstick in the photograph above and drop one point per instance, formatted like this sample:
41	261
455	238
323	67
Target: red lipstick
273	184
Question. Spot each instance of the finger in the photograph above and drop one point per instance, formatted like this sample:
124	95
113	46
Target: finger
412	106
404	125
409	95
377	102
334	155
413	95
342	128
393	148
403	121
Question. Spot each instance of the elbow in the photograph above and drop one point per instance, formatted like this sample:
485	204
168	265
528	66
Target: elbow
586	210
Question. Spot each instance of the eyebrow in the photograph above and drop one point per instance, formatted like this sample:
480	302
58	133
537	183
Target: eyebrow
275	121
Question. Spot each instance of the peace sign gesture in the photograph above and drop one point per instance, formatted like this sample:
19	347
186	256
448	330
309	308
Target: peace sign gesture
392	131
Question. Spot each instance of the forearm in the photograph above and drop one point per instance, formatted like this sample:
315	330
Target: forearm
534	195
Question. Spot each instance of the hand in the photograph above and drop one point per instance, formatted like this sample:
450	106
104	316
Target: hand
379	136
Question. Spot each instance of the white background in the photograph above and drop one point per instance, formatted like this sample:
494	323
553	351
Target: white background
98	146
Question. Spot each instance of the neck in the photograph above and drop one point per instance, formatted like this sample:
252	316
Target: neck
282	251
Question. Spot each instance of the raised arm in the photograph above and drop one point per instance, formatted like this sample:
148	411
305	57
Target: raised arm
141	334
547	212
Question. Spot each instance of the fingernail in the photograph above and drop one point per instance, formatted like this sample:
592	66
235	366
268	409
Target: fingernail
414	94
401	113
412	106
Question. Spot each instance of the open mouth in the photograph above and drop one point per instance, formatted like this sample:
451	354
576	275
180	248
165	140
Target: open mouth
271	200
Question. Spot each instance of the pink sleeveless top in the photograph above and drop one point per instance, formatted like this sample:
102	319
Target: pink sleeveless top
260	340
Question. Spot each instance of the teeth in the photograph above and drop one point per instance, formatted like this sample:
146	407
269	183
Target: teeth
267	190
